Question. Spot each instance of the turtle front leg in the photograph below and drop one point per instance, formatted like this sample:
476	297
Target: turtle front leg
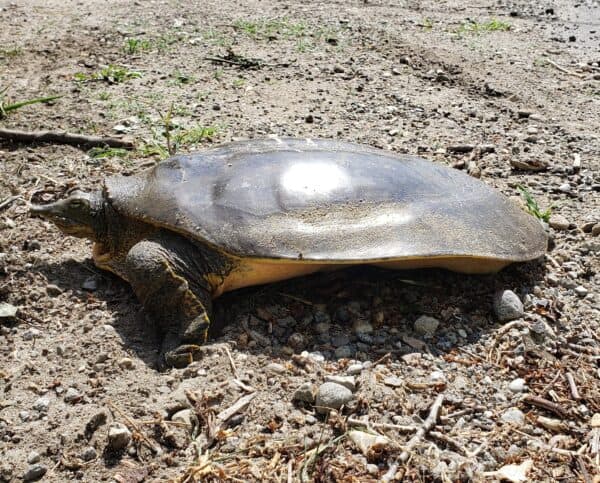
172	294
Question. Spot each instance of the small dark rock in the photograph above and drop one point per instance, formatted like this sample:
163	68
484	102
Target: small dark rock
35	472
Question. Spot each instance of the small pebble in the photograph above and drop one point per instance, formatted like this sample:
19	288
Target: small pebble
393	381
275	368
72	395
34	472
296	341
517	385
33	457
89	454
31	333
90	284
332	396
42	404
514	416
426	325
344	352
53	290
118	437
354	369
126	363
581	291
7	311
346	381
437	377
507	306
187	417
305	393
559	222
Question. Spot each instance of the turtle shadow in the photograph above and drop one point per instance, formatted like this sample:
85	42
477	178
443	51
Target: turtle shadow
98	289
362	312
367	312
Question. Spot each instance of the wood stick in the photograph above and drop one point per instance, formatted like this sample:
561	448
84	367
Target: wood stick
8	201
131	423
63	137
573	386
399	427
562	69
545	404
424	429
231	363
240	404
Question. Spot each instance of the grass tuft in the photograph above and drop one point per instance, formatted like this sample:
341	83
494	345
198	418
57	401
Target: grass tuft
532	205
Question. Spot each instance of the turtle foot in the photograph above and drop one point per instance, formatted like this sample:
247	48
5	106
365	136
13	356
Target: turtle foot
179	357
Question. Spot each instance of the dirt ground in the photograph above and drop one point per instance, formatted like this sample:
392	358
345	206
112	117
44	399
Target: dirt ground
508	91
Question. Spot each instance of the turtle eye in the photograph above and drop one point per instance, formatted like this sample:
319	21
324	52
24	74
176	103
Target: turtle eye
76	203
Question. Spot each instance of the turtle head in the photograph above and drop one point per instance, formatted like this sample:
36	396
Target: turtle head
80	214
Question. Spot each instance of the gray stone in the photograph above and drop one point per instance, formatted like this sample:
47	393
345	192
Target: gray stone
90	284
296	341
34	472
393	381
24	415
437	377
89	454
426	325
581	291
507	306
31	333
362	326
340	340
275	368
187	417
126	363
346	381
332	396
53	290
72	395
33	457
344	352
7	311
322	328
41	404
354	369
305	393
514	416
559	222
517	385
118	437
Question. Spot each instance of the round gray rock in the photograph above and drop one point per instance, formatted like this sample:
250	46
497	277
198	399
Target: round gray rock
332	396
507	306
426	325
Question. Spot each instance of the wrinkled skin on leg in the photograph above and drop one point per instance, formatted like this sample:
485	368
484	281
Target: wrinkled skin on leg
168	275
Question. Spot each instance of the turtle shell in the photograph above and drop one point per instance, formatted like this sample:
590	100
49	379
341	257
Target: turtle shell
329	202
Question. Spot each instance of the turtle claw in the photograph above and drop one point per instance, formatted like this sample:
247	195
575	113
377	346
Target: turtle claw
179	357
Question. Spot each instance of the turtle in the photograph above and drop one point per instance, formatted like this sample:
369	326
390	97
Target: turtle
252	212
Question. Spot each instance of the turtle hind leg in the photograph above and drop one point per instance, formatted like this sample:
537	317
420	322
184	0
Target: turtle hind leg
172	295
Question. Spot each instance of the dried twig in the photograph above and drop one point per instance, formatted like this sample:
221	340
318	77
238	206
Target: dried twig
545	404
573	387
424	429
240	404
5	203
231	363
62	137
565	71
398	427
